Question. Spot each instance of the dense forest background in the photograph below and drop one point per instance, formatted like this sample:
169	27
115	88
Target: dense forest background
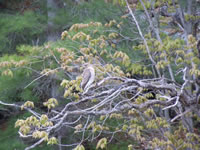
154	43
28	23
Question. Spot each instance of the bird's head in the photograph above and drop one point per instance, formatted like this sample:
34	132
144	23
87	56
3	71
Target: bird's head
86	65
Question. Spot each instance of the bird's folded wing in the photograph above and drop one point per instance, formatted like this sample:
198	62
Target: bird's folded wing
86	76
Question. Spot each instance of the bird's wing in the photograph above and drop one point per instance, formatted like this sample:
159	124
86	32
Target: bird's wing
86	76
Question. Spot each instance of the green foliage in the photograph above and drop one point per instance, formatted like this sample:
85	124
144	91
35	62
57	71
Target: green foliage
94	10
19	28
9	136
83	43
102	144
79	147
99	11
12	89
13	80
120	145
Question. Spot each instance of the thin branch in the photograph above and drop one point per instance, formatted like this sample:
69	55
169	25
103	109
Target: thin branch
145	42
34	145
40	77
159	39
180	115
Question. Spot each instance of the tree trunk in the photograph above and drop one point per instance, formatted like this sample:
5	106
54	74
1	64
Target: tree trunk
190	10
52	6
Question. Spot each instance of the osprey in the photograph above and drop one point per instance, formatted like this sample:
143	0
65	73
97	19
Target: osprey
88	77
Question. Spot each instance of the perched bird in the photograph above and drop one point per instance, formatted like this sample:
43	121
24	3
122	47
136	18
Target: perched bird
88	77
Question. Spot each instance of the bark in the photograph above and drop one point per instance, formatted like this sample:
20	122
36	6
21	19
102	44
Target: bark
54	89
53	6
191	9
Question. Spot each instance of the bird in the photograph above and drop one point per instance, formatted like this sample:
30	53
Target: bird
88	77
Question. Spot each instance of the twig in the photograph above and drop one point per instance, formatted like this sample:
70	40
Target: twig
185	112
145	42
40	77
34	145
